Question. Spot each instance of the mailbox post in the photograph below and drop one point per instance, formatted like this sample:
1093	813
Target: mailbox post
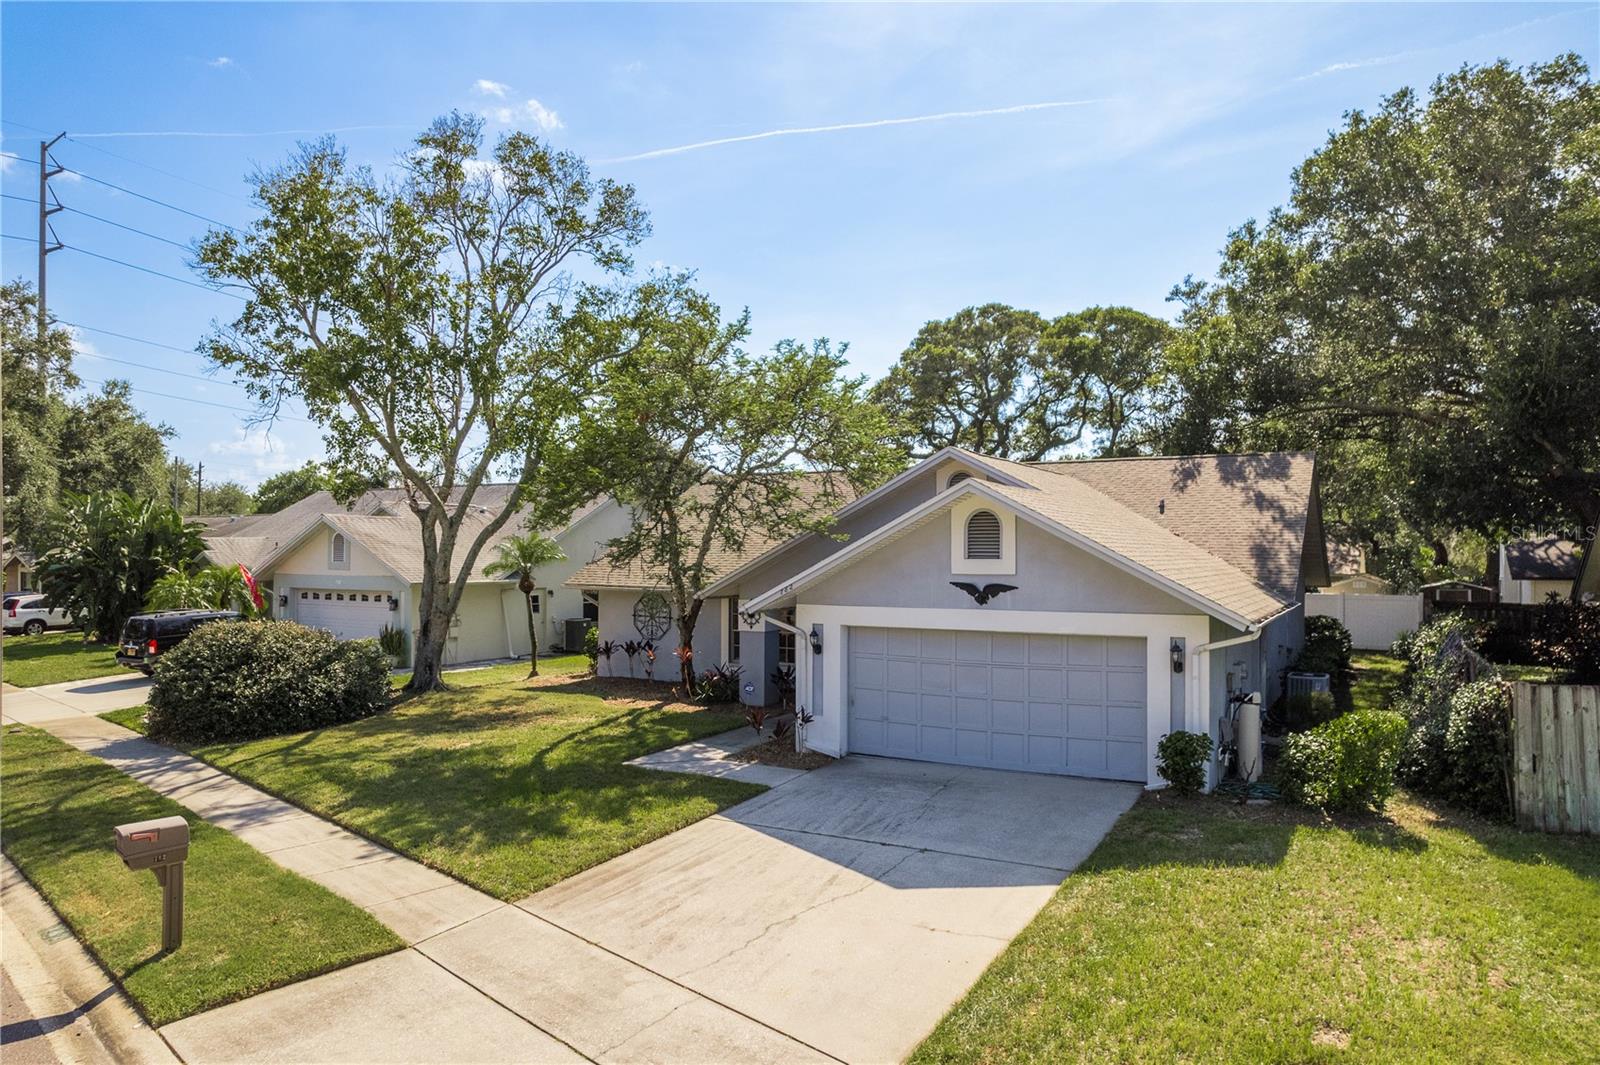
162	846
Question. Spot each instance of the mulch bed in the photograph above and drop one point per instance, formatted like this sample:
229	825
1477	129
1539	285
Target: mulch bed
781	753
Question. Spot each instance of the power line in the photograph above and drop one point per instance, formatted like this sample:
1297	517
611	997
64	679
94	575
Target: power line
137	195
135	162
157	273
107	221
202	402
125	336
158	369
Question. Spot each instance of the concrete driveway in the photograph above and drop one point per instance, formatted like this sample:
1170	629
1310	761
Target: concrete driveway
846	911
73	698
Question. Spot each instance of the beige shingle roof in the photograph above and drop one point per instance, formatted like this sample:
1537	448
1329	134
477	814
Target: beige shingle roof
1227	529
380	521
603	572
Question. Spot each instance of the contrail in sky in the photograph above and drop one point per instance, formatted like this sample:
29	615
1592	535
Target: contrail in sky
796	131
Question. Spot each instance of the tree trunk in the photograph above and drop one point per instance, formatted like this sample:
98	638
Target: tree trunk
427	667
533	638
686	622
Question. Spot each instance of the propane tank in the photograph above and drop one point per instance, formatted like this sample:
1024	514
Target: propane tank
1247	736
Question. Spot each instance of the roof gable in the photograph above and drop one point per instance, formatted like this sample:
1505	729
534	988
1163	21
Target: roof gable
1549	558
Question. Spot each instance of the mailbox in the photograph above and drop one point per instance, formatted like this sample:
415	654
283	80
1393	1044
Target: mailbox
152	844
161	846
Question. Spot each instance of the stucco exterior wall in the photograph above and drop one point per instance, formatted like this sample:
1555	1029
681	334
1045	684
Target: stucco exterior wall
616	624
582	544
314	556
915	572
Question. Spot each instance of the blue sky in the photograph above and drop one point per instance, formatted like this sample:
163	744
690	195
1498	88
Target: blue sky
1167	126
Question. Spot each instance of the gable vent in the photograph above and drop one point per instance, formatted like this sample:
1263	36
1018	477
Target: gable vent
957	477
983	535
338	548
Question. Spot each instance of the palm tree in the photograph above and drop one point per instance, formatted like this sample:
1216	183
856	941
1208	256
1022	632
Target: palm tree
519	556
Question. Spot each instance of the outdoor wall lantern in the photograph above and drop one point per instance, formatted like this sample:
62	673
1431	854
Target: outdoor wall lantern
816	642
283	599
1177	657
394	604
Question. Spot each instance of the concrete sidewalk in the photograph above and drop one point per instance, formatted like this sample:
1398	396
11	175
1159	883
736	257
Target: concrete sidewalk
72	699
709	758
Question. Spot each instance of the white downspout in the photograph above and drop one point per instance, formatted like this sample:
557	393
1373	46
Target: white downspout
802	642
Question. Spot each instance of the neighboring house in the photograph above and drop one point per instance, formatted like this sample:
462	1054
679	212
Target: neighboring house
1530	570
1361	584
355	570
19	570
1140	596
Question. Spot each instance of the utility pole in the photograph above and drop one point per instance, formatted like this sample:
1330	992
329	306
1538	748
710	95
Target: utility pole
199	483
46	172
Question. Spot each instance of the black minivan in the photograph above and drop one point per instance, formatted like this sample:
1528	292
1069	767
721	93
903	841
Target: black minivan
146	637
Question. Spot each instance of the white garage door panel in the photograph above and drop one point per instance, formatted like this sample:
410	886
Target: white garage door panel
345	614
1052	704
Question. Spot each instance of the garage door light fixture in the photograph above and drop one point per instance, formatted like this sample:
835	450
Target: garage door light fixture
1177	657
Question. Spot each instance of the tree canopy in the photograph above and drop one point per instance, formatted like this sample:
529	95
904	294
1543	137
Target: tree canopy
1430	289
432	324
714	447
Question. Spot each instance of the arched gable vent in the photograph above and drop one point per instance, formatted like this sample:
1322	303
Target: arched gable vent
957	477
340	551
983	535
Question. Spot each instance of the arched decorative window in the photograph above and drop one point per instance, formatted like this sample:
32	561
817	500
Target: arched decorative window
957	477
339	555
983	535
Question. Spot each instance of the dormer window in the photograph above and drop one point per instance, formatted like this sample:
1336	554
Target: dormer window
983	535
957	477
338	552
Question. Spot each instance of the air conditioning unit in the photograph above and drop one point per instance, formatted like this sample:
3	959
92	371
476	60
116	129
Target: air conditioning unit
573	638
1305	683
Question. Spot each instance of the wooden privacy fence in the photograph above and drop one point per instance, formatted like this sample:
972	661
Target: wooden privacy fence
1555	731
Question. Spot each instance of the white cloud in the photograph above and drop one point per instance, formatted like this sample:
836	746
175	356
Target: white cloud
485	87
794	131
219	62
531	111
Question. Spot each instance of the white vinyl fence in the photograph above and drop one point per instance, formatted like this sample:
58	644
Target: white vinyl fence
1373	620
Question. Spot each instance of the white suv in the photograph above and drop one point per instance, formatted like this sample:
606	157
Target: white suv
33	614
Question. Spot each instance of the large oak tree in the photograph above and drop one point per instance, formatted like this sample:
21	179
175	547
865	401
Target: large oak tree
425	321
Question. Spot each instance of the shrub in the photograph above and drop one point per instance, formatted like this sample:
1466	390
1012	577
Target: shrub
717	685
1181	760
1346	764
1327	649
1306	710
392	641
1568	637
591	647
1477	748
243	680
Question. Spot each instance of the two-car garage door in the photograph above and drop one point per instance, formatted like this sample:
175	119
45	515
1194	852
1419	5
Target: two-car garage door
1047	704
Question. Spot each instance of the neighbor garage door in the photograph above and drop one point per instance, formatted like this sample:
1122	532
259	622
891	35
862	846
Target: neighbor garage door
348	615
1047	704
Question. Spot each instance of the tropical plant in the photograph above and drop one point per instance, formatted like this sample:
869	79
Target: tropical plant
717	686
606	650
648	649
392	641
631	649
113	550
783	679
519	556
209	588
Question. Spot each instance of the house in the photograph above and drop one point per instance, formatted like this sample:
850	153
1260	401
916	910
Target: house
354	570
1053	617
1347	570
1532	570
19	569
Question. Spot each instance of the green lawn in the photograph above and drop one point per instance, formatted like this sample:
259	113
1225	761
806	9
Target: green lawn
249	924
507	786
1377	677
1201	930
555	665
55	657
